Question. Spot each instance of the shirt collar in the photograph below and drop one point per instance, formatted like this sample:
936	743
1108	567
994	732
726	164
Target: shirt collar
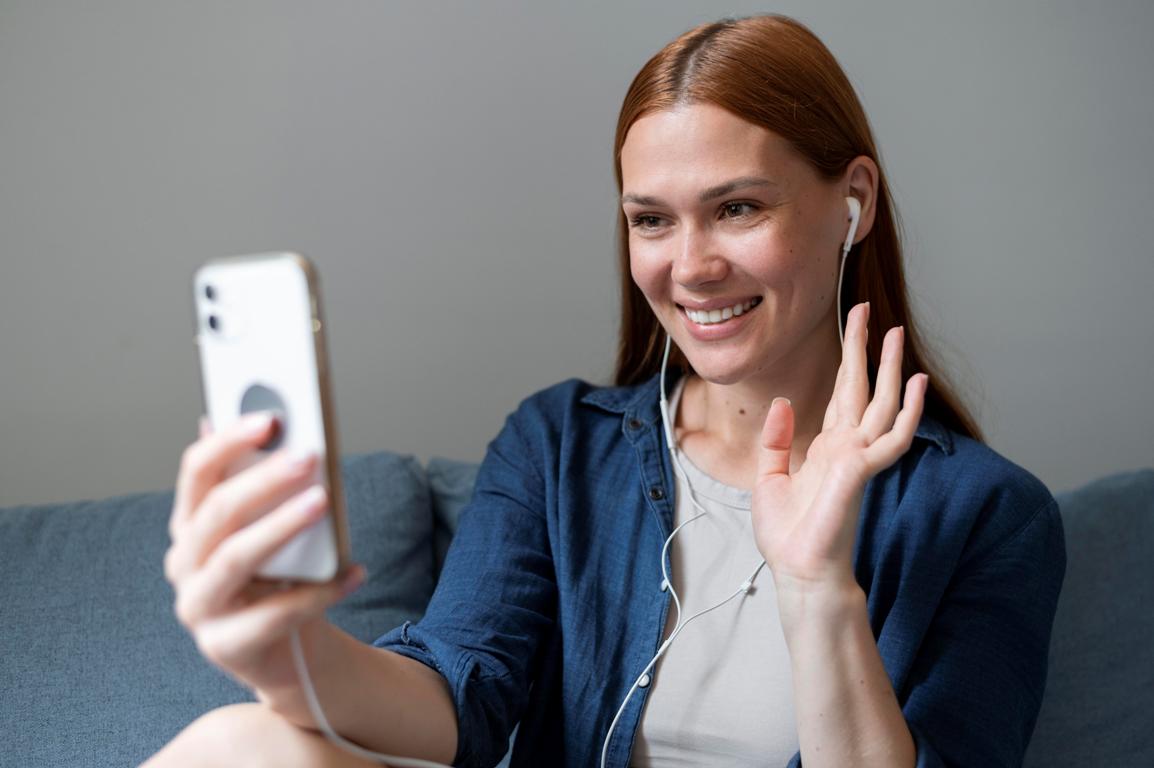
640	402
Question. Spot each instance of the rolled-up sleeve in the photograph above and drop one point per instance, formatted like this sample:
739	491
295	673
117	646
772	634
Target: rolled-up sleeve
977	682
495	602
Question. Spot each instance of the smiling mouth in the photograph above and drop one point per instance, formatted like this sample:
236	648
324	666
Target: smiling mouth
719	316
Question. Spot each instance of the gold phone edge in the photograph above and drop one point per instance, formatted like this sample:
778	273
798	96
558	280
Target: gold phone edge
328	410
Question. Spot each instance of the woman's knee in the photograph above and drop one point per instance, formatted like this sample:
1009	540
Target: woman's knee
250	735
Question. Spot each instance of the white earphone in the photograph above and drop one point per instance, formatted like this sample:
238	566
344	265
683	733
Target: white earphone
854	217
671	443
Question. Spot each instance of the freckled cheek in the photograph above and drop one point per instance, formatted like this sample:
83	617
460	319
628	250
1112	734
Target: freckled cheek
773	259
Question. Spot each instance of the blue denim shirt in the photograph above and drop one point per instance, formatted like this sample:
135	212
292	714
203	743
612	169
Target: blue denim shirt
550	601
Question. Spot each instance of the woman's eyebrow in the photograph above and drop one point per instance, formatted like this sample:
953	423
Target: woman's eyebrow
710	194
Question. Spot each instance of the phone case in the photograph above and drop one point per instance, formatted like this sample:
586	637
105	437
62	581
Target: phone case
261	340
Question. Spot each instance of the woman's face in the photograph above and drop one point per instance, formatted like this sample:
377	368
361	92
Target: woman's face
724	212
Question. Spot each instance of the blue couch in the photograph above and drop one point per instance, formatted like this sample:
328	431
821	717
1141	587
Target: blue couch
95	671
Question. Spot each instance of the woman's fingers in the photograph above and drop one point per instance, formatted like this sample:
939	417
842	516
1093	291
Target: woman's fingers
233	565
776	439
230	641
830	417
237	502
851	387
883	409
889	447
203	463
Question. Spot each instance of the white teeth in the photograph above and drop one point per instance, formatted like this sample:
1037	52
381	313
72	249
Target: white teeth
721	315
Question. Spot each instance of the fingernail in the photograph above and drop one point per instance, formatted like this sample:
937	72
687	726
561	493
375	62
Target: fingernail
785	399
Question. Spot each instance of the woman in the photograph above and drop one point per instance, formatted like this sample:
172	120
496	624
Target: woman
902	612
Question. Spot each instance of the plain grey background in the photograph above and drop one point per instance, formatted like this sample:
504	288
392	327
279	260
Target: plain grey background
448	167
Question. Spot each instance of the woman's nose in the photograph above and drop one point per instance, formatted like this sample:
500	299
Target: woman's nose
697	259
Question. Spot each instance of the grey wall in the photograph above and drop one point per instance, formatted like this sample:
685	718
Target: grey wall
448	168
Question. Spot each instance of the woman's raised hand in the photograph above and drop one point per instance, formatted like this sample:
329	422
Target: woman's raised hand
805	523
221	535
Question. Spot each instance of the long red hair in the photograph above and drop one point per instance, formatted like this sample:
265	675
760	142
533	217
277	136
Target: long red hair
774	72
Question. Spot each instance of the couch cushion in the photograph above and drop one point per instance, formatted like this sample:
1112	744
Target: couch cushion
451	483
1100	689
94	668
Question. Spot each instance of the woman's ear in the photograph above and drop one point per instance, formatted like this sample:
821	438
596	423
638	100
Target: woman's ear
861	182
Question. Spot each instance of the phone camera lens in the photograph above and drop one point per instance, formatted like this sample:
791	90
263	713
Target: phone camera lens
209	293
214	322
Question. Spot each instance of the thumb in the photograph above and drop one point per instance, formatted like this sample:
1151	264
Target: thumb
776	439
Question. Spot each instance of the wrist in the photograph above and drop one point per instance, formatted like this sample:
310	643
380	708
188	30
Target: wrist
817	605
287	696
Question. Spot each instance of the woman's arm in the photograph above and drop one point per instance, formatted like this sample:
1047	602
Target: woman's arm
847	712
805	522
487	625
974	689
452	686
373	697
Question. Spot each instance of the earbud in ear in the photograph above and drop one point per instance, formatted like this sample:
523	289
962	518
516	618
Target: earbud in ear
854	216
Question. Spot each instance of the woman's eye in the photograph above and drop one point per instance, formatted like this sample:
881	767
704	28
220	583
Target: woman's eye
646	222
736	210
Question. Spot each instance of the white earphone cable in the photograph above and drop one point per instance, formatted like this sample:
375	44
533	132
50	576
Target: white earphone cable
679	624
854	217
840	272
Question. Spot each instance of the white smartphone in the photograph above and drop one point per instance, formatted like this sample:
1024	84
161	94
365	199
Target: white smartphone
261	339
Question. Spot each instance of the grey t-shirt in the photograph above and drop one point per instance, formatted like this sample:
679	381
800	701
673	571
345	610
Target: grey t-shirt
722	694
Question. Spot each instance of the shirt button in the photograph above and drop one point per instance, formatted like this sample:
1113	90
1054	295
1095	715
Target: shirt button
644	681
634	424
656	493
